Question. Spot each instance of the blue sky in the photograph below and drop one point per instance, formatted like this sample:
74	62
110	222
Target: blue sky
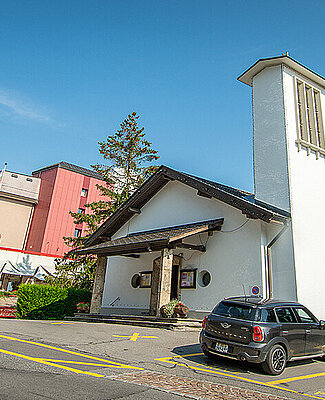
71	71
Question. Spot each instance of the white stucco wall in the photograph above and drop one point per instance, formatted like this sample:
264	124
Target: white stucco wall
232	258
294	181
307	196
270	158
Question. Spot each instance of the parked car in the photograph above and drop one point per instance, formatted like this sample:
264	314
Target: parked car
269	332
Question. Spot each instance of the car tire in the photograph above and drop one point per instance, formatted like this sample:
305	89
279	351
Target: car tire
275	361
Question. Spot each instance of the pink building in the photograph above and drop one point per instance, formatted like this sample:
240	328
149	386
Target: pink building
64	187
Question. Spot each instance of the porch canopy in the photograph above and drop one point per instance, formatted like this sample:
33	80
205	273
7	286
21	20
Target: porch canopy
154	240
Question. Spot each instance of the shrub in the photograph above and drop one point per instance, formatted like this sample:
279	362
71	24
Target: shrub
4	293
49	302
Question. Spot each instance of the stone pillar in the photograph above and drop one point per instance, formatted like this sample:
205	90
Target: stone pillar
98	288
166	265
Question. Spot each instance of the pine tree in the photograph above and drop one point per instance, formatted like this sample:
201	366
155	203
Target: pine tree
129	158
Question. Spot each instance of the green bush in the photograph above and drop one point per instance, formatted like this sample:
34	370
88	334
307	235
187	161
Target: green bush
49	302
4	293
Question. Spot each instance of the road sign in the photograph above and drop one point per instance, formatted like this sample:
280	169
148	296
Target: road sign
255	290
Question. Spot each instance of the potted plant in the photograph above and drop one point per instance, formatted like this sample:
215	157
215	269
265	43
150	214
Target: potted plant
174	309
83	307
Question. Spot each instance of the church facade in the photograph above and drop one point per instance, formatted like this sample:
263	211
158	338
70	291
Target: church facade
181	236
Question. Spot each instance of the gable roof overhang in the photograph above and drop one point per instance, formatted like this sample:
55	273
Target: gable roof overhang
262	63
154	240
235	198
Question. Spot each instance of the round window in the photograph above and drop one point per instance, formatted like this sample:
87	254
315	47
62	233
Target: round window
204	278
135	281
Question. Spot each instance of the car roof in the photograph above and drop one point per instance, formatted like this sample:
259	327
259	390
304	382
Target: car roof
261	302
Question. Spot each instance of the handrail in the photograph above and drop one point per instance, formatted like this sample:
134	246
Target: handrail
115	301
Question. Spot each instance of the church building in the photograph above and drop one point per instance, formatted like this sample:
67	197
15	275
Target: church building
185	237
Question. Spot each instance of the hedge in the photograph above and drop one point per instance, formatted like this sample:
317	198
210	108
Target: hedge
49	302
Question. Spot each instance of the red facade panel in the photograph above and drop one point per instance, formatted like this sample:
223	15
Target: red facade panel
61	192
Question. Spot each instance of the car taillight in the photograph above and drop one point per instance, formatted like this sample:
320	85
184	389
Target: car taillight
204	322
258	335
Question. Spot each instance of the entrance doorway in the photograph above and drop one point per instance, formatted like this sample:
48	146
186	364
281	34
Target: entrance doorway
174	288
156	283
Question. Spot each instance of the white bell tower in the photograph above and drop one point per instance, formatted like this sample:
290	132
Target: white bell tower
289	161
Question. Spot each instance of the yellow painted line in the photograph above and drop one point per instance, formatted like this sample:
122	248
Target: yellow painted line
320	393
79	363
223	373
68	351
205	369
192	355
296	378
150	337
134	337
121	336
56	323
77	371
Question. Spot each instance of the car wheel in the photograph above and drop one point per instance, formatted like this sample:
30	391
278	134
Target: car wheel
275	361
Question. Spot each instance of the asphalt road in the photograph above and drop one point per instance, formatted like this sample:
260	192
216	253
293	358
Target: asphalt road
77	360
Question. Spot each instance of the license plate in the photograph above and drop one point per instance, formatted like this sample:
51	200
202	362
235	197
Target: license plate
220	347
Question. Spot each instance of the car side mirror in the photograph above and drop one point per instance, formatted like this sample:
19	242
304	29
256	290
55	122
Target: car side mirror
322	324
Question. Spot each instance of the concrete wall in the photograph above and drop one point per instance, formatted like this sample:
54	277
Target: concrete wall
232	258
21	187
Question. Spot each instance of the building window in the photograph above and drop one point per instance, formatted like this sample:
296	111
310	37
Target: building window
81	210
135	281
84	192
310	119
204	278
77	233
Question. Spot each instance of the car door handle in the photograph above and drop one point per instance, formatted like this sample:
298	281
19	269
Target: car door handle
308	331
285	332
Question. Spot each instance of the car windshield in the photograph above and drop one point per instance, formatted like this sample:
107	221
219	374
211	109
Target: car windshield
234	310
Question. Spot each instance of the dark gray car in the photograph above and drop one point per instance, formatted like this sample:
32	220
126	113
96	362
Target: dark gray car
270	332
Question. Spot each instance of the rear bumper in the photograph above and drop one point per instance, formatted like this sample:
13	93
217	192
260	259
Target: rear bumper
252	352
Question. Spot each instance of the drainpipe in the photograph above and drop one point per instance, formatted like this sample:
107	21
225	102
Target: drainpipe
268	262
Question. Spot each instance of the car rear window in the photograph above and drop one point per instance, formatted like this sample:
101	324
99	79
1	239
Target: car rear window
233	310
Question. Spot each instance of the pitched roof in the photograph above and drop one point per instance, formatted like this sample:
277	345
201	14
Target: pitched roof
73	168
239	199
154	240
247	76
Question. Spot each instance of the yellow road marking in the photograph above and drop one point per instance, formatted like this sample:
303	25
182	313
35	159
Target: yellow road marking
296	378
68	351
320	393
223	373
56	323
78	362
77	371
128	336
134	337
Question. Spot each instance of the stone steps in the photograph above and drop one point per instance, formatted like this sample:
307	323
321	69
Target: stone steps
142	321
